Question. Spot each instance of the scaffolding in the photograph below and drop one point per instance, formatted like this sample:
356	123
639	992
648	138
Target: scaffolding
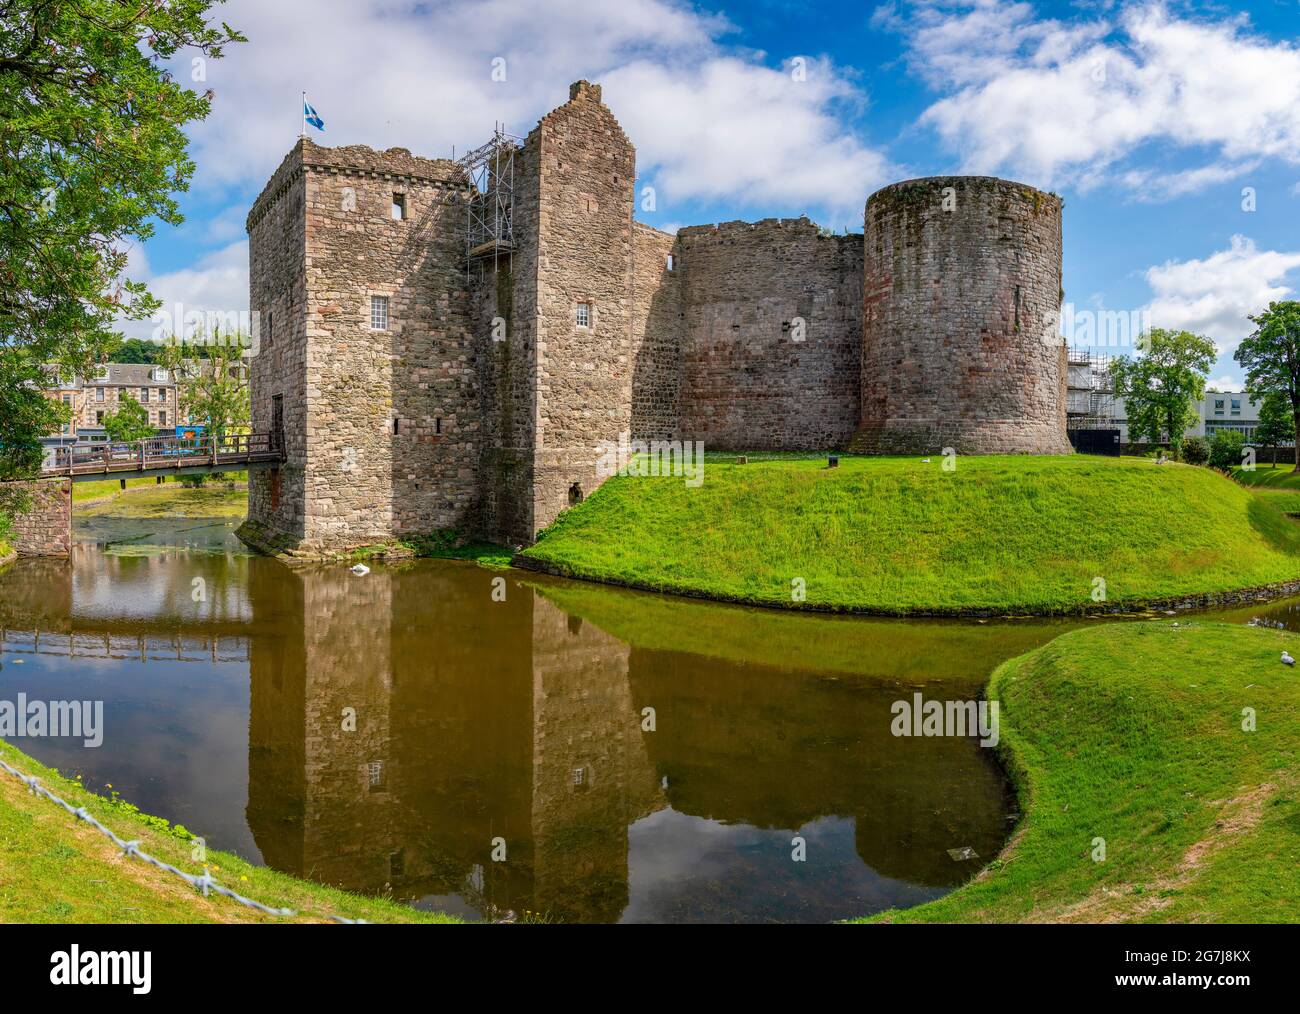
489	212
1090	391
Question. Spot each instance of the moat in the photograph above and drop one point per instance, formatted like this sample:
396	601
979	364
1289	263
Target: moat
638	758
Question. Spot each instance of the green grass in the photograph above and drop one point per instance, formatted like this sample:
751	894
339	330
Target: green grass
53	869
1132	733
173	500
895	535
83	491
1279	476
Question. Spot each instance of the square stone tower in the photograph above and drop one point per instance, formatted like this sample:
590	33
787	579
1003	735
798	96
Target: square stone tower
366	365
560	383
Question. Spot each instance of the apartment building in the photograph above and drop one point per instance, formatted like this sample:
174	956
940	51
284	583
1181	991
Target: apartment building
93	399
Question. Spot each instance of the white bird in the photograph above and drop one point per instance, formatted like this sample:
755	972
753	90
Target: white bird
1287	659
925	461
361	570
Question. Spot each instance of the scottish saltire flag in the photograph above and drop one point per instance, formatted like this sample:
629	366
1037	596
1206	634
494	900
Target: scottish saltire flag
309	115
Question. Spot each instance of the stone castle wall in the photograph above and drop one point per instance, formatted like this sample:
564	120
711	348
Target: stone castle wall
381	425
656	335
772	335
925	333
960	347
45	527
587	169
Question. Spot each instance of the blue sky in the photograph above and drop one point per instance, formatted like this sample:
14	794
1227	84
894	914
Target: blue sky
1151	119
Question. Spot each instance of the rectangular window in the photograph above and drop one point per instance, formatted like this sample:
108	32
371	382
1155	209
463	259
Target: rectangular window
399	207
99	418
99	394
379	313
162	417
144	396
583	317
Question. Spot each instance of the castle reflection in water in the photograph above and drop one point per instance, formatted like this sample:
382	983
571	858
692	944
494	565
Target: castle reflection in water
524	721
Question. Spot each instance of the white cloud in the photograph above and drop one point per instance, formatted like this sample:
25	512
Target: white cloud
217	282
1226	382
417	75
1068	103
746	134
1213	296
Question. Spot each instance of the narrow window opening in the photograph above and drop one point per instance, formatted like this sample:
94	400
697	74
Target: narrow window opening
437	425
670	262
399	207
397	426
583	315
379	313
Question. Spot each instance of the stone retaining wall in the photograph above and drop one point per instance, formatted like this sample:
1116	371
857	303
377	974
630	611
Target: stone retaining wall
45	528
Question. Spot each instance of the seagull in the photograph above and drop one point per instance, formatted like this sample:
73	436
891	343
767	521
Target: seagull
1287	659
361	570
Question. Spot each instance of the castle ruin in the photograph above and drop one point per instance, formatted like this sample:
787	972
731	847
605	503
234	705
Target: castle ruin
426	376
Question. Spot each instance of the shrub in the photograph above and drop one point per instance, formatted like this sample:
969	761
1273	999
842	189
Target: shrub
1196	450
1225	451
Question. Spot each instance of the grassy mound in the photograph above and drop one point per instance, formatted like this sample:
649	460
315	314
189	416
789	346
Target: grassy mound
898	535
1280	476
54	869
1133	733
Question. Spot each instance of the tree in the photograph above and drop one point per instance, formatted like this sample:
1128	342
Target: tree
1270	357
212	382
1225	449
92	150
1276	422
1160	387
129	422
136	350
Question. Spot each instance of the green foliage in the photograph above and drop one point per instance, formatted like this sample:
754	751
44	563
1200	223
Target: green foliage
212	382
1161	386
136	350
1270	357
26	414
1225	449
1276	420
92	130
1196	451
896	535
129	422
1134	733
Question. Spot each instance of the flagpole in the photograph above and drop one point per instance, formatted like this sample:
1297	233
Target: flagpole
302	127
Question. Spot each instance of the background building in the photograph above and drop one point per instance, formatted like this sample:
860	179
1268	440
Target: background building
94	399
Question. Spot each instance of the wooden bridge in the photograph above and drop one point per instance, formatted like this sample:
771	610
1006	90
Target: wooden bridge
159	456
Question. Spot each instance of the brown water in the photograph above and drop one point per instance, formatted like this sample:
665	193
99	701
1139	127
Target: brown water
519	721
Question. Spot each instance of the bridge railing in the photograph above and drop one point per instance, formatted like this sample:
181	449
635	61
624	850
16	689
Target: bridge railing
161	452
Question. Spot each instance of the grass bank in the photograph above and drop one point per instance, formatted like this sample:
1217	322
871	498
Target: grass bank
1133	733
55	869
170	500
1279	476
898	535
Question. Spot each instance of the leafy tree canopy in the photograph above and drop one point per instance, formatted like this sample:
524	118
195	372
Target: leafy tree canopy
1161	386
1270	357
212	382
92	151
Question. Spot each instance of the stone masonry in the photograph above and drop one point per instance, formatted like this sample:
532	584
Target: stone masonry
484	401
45	527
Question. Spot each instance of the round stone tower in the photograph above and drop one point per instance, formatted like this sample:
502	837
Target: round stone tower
960	345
